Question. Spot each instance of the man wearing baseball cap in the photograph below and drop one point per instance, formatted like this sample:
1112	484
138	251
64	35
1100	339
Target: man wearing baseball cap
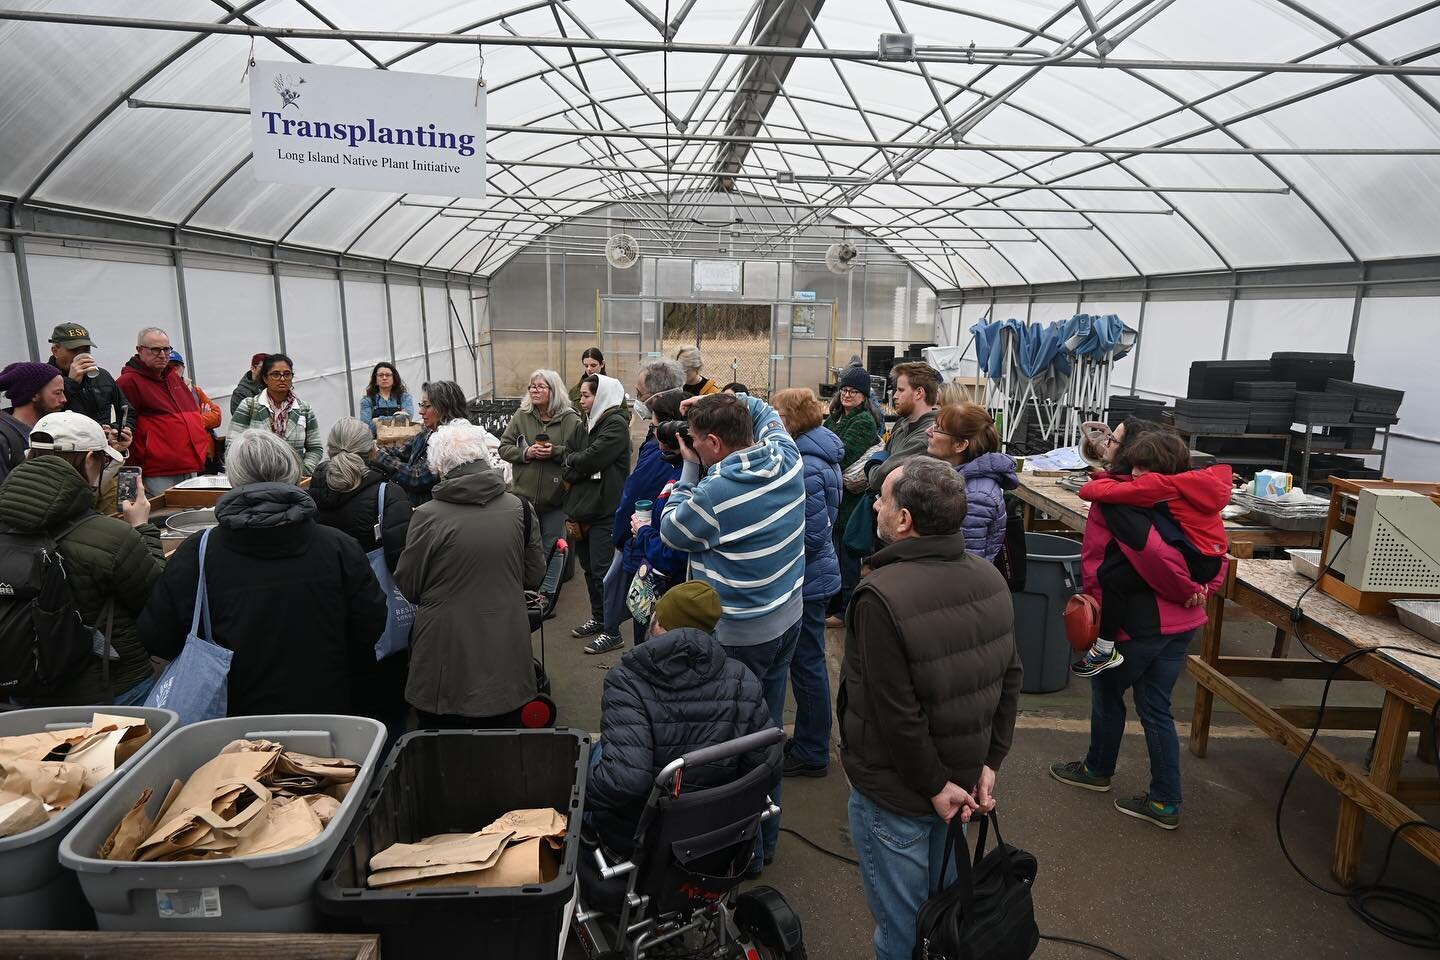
111	564
672	694
250	383
33	389
89	388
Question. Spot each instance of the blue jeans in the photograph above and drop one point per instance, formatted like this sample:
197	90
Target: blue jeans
1150	670
810	679
770	662
136	695
900	861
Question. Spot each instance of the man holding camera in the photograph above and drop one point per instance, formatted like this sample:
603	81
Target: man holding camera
739	511
89	388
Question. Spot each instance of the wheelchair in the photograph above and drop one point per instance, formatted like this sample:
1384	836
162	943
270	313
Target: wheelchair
675	895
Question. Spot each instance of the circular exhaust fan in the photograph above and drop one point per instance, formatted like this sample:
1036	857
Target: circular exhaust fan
622	251
840	257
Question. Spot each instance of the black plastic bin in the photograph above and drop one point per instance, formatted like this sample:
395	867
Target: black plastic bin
457	781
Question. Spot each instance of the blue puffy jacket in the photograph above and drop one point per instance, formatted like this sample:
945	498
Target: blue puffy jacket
822	451
987	477
652	471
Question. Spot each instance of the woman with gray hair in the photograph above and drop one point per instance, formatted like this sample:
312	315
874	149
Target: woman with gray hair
692	363
441	401
536	441
473	551
295	601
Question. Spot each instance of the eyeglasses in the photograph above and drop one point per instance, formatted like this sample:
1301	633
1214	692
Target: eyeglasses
539	386
157	351
426	405
850	392
931	431
280	375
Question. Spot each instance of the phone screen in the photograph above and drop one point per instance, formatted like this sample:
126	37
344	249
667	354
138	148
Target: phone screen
127	485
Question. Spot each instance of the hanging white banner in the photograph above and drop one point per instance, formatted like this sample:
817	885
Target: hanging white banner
367	129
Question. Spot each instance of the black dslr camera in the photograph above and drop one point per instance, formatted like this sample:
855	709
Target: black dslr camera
670	431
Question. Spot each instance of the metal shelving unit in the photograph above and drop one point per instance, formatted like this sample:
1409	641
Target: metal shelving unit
1243	459
1309	446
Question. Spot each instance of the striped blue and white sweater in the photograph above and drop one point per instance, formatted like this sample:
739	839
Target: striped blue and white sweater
743	524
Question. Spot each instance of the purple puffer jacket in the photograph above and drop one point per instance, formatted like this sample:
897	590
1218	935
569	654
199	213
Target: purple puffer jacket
987	477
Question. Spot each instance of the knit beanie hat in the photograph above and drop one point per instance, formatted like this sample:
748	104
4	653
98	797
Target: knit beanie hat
856	378
693	603
258	358
22	380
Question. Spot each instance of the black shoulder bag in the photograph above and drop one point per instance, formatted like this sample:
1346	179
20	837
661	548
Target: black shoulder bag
987	913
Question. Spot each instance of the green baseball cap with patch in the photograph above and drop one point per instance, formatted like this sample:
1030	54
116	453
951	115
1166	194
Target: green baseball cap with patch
70	336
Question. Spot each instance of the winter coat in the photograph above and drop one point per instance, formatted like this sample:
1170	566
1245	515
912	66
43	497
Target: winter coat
1134	562
743	524
1194	498
467	563
668	564
105	558
354	512
409	466
906	440
987	477
673	694
302	429
98	397
930	683
821	451
170	438
603	448
654	470
858	430
540	481
296	601
244	390
14	441
372	408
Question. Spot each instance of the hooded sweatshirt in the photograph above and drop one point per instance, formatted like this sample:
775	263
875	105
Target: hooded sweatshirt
600	458
673	694
1194	498
743	524
987	477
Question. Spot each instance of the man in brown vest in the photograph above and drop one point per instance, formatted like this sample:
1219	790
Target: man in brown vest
928	693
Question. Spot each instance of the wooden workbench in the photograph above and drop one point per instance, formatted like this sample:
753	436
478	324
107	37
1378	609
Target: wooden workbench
1068	512
1270	589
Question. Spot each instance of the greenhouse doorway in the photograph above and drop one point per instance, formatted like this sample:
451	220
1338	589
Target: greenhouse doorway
736	339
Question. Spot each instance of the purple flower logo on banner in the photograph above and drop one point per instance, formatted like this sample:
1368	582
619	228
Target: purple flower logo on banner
288	90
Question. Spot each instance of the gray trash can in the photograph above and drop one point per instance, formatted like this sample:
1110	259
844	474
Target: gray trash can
1052	577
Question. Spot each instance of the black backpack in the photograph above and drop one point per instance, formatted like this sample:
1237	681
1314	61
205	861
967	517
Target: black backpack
987	913
43	640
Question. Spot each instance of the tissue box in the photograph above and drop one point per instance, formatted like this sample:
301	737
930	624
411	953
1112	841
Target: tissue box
1272	483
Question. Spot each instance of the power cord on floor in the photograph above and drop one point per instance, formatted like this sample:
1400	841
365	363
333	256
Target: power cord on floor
855	863
1364	898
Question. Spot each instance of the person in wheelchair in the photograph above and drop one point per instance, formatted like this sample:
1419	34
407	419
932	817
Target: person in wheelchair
676	693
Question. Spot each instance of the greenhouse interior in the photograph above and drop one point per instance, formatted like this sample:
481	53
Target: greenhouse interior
1050	242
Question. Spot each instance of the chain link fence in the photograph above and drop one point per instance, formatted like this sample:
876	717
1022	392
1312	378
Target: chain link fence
734	339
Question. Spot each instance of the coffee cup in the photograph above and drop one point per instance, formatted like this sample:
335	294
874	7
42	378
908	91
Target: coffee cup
643	509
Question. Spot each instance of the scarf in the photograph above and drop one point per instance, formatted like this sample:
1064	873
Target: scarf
279	418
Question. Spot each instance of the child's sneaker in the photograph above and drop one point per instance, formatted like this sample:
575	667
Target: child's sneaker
1094	662
1077	774
1166	816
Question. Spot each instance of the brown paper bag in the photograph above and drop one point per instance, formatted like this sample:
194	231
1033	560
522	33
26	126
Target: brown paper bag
20	813
202	829
471	848
389	433
325	807
125	839
443	874
302	773
520	864
54	783
284	825
217	778
530	824
38	746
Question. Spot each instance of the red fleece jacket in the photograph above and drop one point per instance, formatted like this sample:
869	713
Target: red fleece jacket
1194	498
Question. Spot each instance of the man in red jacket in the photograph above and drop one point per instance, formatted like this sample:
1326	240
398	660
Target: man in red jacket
170	439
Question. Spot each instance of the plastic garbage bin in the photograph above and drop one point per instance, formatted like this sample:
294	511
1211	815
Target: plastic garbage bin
36	893
458	781
1052	577
272	892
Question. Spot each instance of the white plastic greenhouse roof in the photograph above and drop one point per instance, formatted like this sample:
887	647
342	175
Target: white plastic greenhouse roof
1272	132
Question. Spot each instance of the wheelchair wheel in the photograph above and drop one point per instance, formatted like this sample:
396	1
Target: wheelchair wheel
538	713
766	918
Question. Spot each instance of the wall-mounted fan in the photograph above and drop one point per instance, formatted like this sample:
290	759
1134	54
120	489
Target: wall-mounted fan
622	251
840	257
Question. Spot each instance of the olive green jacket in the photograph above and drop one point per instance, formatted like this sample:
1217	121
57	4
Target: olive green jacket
540	481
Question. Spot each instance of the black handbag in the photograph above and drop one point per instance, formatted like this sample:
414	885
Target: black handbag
987	913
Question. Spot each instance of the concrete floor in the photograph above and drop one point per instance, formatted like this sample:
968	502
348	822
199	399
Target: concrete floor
1218	887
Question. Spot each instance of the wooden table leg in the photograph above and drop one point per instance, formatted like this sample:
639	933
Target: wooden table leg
1027	514
1204	699
1389	751
1281	648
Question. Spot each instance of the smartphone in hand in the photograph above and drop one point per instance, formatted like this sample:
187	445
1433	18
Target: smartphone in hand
127	485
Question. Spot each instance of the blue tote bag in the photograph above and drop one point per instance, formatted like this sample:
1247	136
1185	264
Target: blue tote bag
194	685
400	613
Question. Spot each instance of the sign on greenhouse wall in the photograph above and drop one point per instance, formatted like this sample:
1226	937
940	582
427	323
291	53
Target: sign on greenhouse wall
367	129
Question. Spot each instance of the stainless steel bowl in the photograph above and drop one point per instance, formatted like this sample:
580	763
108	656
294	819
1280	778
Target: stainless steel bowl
187	522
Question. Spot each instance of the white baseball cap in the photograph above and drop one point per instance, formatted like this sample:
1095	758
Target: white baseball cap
71	432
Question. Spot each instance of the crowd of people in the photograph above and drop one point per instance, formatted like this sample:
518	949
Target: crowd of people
733	537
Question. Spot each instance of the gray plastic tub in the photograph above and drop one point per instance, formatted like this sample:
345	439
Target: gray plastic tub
251	894
36	893
1052	576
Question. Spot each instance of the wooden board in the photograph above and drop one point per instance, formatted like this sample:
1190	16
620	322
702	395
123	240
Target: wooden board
74	945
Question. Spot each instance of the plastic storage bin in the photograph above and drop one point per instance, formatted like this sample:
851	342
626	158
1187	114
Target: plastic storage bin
454	781
1052	576
36	893
265	893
